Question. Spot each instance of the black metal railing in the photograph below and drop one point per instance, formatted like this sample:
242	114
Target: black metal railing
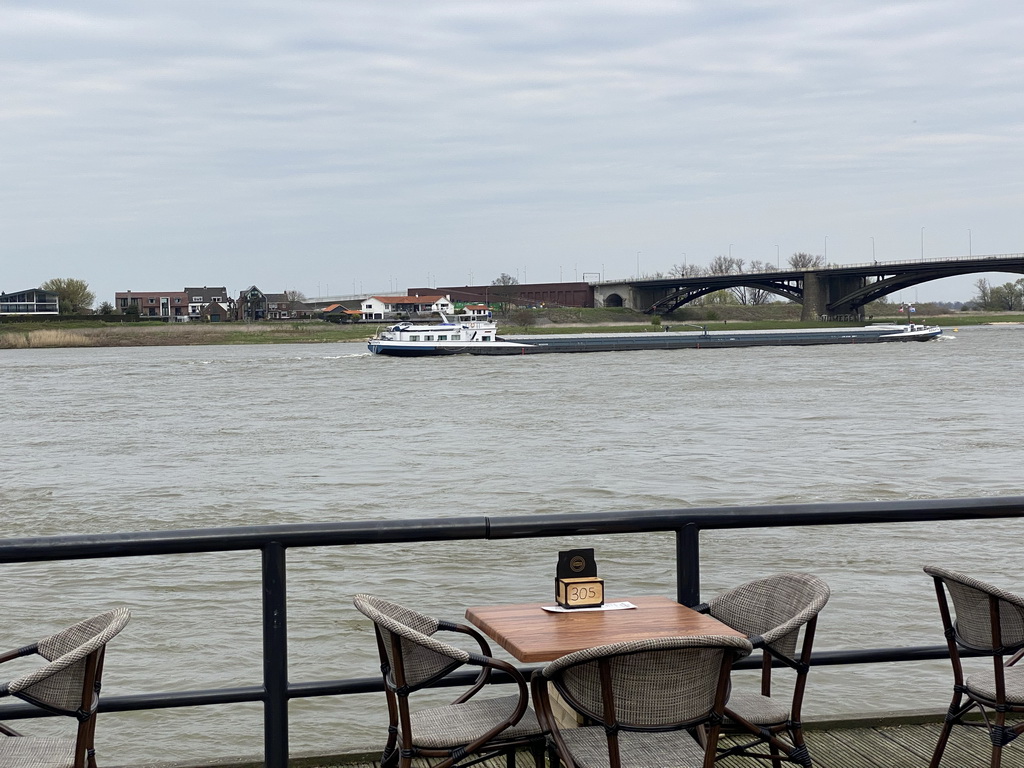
273	541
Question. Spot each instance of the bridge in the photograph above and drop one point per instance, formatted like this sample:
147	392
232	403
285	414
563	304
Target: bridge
827	293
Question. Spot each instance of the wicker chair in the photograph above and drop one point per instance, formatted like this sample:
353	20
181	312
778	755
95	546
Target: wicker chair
468	729
68	685
990	621
771	611
640	701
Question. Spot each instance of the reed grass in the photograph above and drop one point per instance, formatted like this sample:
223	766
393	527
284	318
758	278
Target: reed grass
42	339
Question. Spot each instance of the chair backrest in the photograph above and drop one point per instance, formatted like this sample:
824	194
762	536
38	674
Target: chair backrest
648	684
972	603
75	665
414	658
773	608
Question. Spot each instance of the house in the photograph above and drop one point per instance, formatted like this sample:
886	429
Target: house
215	312
476	311
251	305
168	304
381	307
287	306
198	298
33	301
339	313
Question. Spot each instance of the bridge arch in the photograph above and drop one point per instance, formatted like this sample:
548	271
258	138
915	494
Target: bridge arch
683	296
876	290
613	300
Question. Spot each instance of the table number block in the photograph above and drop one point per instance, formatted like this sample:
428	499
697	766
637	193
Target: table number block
576	581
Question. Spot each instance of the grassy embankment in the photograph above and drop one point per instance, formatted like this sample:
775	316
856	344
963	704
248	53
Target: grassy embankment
23	335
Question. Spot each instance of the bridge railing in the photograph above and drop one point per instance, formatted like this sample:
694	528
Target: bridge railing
273	542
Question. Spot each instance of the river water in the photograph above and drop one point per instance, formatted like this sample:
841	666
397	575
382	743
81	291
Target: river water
102	440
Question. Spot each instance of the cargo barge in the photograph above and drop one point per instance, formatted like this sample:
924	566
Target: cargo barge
447	338
704	339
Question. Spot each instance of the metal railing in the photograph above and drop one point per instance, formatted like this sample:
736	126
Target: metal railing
273	541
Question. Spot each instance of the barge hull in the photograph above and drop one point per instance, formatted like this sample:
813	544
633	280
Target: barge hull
628	342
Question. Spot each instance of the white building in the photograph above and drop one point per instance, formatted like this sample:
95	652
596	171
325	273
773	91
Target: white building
382	307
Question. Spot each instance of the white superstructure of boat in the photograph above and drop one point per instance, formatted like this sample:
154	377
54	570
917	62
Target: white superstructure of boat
462	337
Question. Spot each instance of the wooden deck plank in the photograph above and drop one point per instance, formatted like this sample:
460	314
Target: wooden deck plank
896	746
861	745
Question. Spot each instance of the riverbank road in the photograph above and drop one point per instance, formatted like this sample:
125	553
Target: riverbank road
907	745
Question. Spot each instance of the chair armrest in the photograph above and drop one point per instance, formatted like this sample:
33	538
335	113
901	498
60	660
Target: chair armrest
524	697
485	671
465	629
25	650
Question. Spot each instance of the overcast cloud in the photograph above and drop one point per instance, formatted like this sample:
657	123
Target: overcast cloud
340	147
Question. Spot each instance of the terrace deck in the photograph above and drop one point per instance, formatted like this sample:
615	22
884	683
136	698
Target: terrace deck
906	745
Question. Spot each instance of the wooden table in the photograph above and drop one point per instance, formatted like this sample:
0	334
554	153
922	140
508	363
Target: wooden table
530	633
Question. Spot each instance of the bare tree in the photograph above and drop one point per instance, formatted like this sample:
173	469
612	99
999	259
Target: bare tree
294	298
806	261
505	279
686	270
759	295
728	265
725	265
984	297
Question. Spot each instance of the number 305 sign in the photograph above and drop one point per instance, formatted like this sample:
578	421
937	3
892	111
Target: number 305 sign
576	582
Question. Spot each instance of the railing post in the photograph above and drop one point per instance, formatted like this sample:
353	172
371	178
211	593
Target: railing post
688	564
275	657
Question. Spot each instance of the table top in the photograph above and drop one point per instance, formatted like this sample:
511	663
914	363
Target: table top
530	633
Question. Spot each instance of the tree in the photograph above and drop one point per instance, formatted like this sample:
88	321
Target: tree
806	261
725	265
73	294
106	308
523	317
294	298
759	295
686	270
1008	297
984	297
505	279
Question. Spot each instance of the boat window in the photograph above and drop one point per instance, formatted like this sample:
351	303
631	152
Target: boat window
486	338
414	338
442	337
456	337
428	337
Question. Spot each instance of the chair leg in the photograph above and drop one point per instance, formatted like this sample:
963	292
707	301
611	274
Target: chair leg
389	758
953	714
537	749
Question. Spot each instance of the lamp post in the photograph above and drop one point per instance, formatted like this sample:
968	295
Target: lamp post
970	248
778	257
922	243
638	265
826	250
873	250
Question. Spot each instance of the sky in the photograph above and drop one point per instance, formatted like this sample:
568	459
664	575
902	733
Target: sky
340	147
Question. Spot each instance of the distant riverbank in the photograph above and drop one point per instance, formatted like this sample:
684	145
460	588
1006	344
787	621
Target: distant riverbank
82	333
